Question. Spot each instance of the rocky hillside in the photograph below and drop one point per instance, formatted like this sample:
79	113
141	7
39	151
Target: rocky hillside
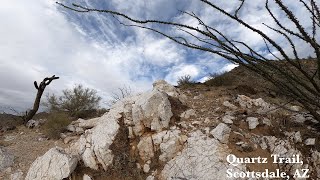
201	132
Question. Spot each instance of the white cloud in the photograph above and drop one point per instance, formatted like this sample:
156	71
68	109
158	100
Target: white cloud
182	70
39	40
228	68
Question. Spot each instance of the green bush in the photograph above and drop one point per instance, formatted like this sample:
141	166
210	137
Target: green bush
77	101
56	123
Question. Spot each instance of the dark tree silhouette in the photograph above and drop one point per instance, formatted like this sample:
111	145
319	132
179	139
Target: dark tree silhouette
288	74
46	81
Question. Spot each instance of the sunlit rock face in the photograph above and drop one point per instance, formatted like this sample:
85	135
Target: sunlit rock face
191	144
54	164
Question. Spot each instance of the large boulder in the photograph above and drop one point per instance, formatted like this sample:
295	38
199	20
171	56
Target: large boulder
203	159
83	124
145	148
169	142
93	145
53	165
221	133
247	102
151	110
163	86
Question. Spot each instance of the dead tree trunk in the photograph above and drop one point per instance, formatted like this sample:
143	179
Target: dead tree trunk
46	81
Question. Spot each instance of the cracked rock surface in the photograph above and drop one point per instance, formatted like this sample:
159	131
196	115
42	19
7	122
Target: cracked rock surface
53	165
168	133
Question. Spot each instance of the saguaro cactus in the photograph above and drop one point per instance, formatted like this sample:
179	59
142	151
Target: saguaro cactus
46	81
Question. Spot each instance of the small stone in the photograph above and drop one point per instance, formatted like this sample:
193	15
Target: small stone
183	138
63	135
207	130
263	144
138	165
32	124
295	108
266	121
207	120
150	177
228	119
71	128
196	123
79	130
187	114
9	138
183	124
221	132
246	147
239	143
130	134
86	177
201	96
42	139
229	105
88	145
298	118
69	139
310	141
252	122
297	137
173	127
146	168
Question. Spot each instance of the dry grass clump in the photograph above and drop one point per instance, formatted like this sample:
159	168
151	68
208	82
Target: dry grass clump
56	123
185	81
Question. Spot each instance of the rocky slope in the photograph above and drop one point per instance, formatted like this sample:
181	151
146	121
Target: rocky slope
195	133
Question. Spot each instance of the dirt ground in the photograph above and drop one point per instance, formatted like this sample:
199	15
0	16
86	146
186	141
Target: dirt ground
26	145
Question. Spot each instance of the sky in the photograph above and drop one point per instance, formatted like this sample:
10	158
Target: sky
39	39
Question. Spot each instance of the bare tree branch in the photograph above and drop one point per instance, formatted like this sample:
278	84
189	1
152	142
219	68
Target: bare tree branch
288	74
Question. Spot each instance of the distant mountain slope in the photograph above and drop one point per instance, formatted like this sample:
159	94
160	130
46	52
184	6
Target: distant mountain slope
243	81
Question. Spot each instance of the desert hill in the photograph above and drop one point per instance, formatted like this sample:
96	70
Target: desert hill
174	133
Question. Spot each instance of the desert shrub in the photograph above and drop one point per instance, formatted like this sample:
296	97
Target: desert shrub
56	123
77	101
92	113
184	81
121	93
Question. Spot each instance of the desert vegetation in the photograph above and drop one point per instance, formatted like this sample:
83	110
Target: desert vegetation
40	88
55	124
77	102
185	81
120	93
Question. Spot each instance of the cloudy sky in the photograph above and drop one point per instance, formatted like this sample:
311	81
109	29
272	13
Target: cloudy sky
38	39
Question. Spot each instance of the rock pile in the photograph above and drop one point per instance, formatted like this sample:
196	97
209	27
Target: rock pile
165	148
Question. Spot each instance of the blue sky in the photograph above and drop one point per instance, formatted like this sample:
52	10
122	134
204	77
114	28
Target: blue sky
39	39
